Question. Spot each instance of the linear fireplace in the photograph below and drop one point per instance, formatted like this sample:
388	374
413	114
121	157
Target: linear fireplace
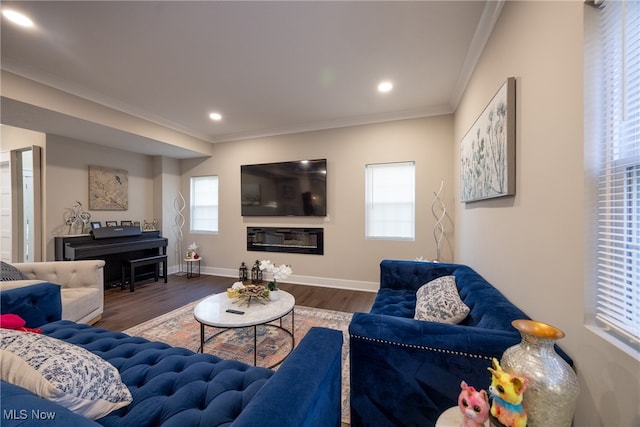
283	239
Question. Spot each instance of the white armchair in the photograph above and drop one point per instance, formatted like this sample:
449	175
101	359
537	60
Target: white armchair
81	282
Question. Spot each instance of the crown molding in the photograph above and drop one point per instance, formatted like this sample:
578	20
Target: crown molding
490	14
337	123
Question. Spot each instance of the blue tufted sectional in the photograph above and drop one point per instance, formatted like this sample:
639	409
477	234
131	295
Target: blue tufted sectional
176	387
406	372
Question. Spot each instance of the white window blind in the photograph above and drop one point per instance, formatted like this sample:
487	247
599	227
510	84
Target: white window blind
204	204
617	87
390	201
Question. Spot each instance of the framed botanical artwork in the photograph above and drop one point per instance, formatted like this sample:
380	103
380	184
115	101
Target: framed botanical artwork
111	223
123	223
487	151
108	189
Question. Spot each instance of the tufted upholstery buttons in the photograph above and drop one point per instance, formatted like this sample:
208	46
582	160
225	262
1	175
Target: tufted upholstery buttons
182	387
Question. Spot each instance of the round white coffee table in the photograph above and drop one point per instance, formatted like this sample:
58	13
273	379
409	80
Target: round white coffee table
212	311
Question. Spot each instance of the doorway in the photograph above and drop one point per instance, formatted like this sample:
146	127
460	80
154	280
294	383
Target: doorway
20	215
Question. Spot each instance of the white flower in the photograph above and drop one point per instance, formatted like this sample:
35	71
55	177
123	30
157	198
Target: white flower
265	264
282	272
279	273
193	246
237	285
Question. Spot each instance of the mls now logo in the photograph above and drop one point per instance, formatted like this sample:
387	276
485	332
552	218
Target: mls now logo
23	414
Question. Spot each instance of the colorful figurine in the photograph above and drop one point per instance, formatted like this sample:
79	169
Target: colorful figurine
507	391
474	406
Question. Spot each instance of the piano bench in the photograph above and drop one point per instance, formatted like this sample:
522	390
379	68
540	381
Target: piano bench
131	265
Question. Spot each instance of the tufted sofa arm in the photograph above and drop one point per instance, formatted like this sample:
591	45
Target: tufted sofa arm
81	282
68	274
306	390
37	304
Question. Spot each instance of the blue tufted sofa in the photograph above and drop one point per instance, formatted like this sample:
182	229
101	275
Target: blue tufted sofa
176	387
406	372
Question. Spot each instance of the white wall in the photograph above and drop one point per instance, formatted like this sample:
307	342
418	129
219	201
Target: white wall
532	246
349	260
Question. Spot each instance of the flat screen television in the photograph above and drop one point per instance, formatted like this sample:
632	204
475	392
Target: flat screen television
284	189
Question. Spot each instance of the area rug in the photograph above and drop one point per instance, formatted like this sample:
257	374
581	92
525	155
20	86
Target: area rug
179	328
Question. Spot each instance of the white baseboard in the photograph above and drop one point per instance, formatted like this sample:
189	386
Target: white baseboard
325	282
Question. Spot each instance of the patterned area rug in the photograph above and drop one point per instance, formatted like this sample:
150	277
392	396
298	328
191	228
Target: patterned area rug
179	328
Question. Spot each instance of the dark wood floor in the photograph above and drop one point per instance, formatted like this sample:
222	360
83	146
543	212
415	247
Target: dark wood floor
124	309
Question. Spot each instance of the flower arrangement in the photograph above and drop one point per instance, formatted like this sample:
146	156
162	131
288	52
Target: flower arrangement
278	273
192	254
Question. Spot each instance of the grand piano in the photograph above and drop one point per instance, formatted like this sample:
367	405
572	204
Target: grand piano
114	245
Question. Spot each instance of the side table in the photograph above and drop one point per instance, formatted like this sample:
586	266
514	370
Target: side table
190	262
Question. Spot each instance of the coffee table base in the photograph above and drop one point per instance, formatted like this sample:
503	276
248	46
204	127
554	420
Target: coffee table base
291	333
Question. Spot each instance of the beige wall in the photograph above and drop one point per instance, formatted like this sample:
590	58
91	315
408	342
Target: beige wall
67	168
12	138
350	261
532	247
154	183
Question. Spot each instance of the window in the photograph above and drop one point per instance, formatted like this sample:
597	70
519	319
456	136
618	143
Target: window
204	204
612	133
390	201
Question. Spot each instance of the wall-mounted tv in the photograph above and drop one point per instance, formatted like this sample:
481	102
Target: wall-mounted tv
284	189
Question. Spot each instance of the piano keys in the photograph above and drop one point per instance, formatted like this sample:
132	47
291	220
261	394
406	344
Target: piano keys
114	245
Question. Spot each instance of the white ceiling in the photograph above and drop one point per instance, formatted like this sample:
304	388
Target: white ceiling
268	67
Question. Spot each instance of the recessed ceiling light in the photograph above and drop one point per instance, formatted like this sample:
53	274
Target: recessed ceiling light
215	117
17	18
385	87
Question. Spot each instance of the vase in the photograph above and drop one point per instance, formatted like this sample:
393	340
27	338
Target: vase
552	388
274	295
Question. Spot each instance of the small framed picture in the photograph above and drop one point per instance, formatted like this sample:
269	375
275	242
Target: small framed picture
123	223
136	223
111	223
95	224
149	226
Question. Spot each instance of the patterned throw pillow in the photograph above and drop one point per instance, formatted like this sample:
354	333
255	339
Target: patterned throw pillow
63	373
439	301
9	272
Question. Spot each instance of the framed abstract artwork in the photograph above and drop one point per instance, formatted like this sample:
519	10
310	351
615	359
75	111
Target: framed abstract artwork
487	151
